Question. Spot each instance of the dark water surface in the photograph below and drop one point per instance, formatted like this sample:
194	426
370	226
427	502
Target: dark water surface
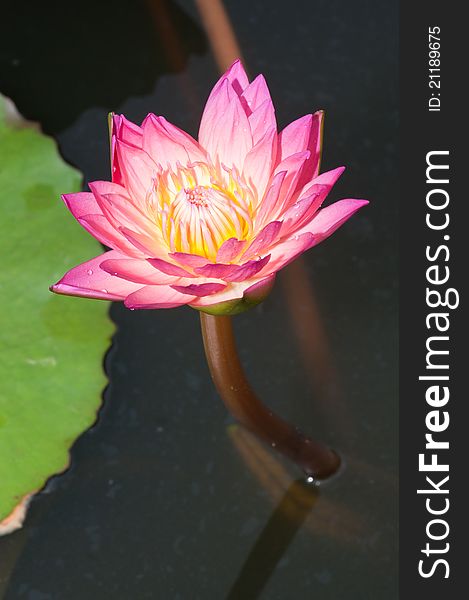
165	499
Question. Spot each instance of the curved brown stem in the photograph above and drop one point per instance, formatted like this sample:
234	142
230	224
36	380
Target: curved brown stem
227	373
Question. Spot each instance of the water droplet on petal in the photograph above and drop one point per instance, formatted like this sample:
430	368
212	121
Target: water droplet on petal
90	271
104	290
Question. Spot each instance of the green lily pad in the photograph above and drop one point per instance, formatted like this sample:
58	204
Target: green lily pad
51	375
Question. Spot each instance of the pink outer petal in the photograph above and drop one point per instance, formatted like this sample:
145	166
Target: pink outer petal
294	138
224	130
125	130
284	253
89	281
233	272
264	239
100	228
311	168
303	134
157	296
200	289
272	206
229	250
118	208
83	203
310	201
331	218
138	271
234	291
188	260
167	144
129	133
169	268
138	171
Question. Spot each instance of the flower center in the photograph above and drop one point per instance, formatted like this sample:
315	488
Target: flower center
197	209
197	195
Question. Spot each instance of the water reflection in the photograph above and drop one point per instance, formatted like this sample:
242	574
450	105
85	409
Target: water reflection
287	518
332	519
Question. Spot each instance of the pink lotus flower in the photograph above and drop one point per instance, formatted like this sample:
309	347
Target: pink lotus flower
206	223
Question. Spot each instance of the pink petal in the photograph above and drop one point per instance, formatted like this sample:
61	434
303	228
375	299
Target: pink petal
328	219
224	130
168	145
138	171
149	246
138	271
89	281
126	131
259	162
129	133
236	75
256	289
264	239
291	166
249	269
303	134
119	209
256	94
233	272
311	168
157	296
270	200
262	120
200	289
310	201
285	252
169	268
229	250
188	260
295	137
82	203
104	232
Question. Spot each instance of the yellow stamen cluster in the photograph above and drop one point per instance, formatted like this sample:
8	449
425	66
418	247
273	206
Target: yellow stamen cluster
198	208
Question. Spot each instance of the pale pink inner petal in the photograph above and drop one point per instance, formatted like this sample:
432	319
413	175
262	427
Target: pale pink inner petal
256	94
262	120
259	161
227	135
168	145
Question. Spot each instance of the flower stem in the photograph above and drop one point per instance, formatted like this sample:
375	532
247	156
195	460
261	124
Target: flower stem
227	373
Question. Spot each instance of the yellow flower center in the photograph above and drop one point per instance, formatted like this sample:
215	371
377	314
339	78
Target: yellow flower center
198	208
